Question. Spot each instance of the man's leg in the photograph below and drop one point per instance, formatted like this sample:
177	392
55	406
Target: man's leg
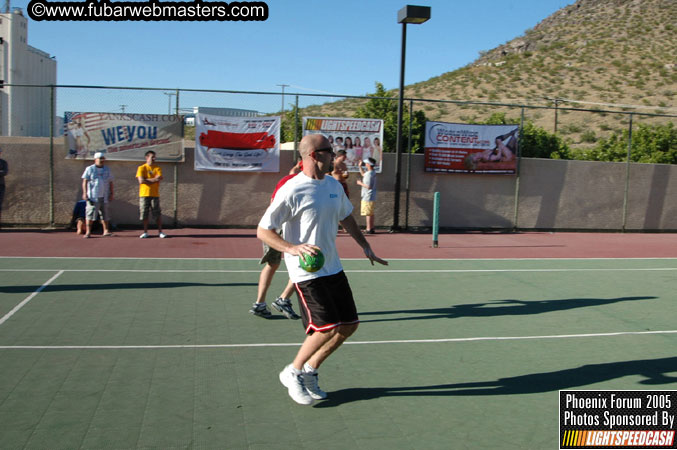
300	377
144	206
88	227
265	279
292	376
157	214
259	308
316	359
105	218
288	290
80	226
370	223
312	344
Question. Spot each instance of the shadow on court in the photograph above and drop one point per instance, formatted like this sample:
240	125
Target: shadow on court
113	286
498	308
655	371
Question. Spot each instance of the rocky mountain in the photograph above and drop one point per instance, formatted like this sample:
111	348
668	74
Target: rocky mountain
618	55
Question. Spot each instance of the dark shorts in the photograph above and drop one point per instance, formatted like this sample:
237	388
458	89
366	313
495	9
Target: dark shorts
149	204
326	303
345	188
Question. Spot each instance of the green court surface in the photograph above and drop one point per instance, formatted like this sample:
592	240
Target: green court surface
163	354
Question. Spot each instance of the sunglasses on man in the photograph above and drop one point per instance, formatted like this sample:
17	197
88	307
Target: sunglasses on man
325	149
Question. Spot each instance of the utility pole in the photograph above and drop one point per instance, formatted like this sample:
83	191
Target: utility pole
556	101
169	101
283	86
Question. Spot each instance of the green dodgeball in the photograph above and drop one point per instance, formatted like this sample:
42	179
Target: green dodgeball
311	263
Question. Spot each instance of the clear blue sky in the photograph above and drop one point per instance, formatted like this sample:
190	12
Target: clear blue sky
339	47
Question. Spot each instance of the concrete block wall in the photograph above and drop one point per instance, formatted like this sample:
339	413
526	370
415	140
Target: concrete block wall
553	194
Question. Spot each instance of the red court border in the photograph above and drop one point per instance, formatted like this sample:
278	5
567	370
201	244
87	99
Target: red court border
239	243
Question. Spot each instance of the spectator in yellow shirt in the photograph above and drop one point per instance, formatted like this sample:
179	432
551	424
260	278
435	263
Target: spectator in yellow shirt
149	176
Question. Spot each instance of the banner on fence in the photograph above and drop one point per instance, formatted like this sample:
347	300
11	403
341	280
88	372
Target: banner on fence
123	136
360	138
242	144
462	148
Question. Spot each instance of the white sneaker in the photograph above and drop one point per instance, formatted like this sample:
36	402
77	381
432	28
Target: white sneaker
162	235
294	384
310	383
144	236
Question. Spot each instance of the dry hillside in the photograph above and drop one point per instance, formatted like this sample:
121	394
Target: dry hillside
618	55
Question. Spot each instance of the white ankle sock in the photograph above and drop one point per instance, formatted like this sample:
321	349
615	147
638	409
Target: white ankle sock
308	368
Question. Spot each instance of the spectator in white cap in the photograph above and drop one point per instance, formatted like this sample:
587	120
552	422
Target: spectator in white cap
368	184
97	190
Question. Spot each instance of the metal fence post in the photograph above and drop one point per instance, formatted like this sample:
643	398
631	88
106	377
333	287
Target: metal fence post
296	128
515	225
436	219
52	115
176	171
627	177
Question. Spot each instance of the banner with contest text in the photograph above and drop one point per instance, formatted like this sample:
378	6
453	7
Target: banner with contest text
123	136
242	144
462	148
360	138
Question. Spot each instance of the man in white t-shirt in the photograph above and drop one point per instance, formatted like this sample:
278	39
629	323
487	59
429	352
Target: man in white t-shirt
97	190
308	209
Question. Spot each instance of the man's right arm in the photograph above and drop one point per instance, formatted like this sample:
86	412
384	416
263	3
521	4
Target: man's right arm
141	176
84	188
274	240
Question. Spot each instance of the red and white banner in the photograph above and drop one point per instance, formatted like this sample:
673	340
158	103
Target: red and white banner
242	144
462	148
124	136
360	138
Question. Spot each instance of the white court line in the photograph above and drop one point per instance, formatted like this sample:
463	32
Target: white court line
296	344
29	298
373	271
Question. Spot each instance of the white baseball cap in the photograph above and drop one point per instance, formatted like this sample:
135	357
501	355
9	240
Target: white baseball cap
98	155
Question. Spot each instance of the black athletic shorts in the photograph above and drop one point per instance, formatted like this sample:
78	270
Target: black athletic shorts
326	303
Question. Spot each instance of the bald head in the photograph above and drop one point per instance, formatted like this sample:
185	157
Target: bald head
312	142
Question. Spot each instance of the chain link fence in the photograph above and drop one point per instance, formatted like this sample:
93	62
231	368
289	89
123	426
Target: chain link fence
38	111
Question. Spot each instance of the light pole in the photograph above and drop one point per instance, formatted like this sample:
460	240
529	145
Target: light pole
416	15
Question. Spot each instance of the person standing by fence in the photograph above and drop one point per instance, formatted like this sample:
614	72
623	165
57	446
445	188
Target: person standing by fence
149	176
97	190
368	184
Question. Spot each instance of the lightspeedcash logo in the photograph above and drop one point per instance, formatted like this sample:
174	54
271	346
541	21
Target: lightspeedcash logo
152	10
